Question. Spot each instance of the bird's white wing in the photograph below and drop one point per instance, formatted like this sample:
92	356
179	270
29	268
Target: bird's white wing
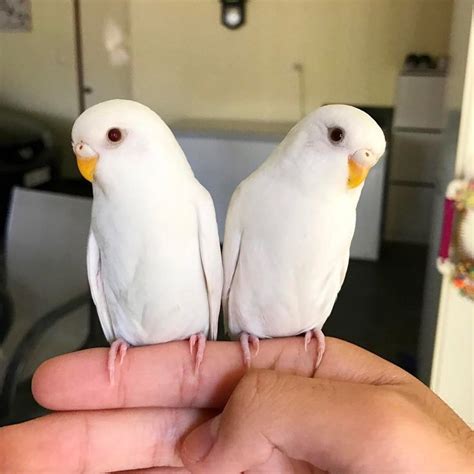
96	286
344	267
211	259
231	250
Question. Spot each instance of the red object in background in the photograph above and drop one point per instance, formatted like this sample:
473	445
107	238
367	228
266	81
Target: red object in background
447	230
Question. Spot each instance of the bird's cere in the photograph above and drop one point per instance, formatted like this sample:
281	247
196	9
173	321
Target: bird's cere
365	158
83	150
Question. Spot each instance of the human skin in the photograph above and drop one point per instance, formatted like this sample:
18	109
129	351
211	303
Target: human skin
358	414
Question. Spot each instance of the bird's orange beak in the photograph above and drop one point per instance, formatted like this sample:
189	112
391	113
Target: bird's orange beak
359	163
86	159
357	174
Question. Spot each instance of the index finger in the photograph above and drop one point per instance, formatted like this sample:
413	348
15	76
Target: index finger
162	375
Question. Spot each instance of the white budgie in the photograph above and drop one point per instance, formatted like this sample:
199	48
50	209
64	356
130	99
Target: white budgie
290	224
153	259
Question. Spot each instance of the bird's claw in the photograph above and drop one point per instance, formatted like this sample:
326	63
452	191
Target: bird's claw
200	339
254	341
321	344
117	347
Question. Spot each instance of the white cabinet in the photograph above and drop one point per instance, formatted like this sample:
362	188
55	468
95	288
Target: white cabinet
409	216
415	156
419	100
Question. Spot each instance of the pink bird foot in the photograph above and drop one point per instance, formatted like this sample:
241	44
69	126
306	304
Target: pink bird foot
117	347
320	341
244	343
200	339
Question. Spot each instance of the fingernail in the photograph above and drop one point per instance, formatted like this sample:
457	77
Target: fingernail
200	442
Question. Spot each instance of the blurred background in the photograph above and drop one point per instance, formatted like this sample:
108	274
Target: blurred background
231	77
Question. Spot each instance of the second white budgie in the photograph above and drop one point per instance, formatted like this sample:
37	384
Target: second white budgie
153	260
290	224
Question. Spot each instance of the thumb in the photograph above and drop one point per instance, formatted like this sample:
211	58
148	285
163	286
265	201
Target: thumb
327	423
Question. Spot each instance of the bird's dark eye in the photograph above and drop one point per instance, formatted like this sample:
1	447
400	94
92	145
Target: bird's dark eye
336	134
114	135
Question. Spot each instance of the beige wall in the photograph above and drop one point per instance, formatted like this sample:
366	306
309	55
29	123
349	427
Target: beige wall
107	80
459	52
38	69
187	64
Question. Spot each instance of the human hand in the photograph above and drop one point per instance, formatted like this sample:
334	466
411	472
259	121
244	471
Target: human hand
130	425
369	422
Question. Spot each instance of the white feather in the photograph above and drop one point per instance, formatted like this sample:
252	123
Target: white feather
97	290
289	228
154	228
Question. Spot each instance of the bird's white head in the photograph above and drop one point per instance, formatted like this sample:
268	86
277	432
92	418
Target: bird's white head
120	133
346	134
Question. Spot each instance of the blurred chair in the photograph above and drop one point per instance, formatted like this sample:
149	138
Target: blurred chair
46	282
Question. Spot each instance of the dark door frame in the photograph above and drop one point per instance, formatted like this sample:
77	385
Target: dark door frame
79	54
